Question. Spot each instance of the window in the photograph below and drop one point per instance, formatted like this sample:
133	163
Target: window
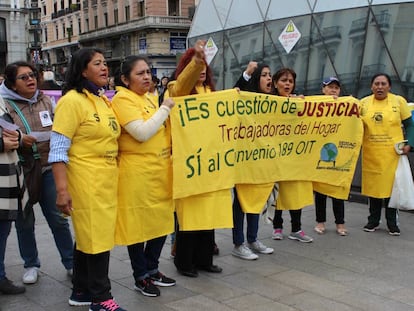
45	35
64	30
87	24
95	21
116	16
79	26
56	32
127	13
173	7
141	8
106	19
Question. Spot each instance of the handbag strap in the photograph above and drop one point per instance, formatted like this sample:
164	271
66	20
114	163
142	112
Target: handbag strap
26	125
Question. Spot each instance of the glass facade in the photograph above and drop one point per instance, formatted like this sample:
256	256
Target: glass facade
351	39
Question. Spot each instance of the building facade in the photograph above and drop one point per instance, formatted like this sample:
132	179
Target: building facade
155	28
351	39
19	21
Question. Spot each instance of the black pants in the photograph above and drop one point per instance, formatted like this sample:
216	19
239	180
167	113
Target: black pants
194	249
375	206
90	274
295	216
337	207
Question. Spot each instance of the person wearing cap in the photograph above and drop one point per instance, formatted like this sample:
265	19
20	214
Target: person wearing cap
330	86
383	115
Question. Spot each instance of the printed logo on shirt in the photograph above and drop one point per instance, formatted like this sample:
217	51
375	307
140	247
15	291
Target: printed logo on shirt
378	117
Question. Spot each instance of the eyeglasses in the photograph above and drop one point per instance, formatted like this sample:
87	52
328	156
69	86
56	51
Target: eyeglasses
27	76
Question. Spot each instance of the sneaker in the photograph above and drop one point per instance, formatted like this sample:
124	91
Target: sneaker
8	288
107	305
160	279
30	276
277	234
394	231
369	227
80	299
243	252
300	236
259	247
147	288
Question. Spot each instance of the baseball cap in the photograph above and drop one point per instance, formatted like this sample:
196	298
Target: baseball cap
329	80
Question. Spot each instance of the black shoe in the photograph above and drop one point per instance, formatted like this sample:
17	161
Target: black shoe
369	227
212	269
394	231
7	287
160	279
147	288
190	273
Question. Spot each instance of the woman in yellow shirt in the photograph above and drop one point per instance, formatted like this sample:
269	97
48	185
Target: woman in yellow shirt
146	211
382	114
84	150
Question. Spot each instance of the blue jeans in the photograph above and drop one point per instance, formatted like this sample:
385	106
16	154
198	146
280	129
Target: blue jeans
238	224
145	262
5	226
57	223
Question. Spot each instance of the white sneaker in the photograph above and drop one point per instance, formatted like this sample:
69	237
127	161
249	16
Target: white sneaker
244	252
30	276
259	247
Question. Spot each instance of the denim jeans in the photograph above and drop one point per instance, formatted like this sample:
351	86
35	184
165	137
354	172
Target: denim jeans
238	224
57	223
145	257
5	226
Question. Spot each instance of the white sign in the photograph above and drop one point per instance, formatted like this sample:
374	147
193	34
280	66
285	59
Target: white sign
210	50
289	36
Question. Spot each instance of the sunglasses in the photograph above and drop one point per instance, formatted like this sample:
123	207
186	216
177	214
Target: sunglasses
27	76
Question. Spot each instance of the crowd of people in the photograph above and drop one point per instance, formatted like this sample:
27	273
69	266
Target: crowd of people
107	164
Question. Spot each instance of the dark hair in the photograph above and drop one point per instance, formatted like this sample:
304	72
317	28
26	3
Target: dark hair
254	83
280	73
78	63
126	67
155	79
10	72
381	74
185	60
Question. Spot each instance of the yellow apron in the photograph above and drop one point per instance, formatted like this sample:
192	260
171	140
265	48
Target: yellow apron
253	198
382	130
209	210
145	208
92	170
294	195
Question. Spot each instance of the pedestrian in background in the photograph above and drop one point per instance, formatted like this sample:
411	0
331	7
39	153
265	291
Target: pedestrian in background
332	87
146	209
84	150
13	197
32	111
383	115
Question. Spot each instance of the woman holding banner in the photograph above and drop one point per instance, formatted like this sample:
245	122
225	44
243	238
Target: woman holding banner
293	195
382	114
195	239
332	87
145	213
256	78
